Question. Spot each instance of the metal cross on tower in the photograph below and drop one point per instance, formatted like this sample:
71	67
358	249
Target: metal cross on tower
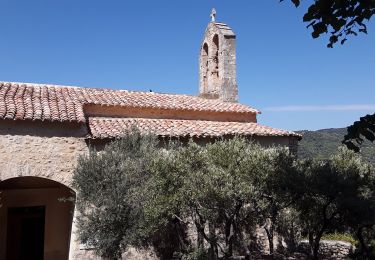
213	15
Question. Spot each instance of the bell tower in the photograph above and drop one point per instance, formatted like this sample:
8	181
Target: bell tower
217	62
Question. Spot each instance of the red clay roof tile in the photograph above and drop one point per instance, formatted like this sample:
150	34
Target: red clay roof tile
114	127
20	101
25	101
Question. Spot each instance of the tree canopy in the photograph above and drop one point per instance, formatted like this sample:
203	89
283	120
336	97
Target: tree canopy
209	201
331	189
210	186
110	212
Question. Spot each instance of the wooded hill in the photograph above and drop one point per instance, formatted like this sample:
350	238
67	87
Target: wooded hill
323	143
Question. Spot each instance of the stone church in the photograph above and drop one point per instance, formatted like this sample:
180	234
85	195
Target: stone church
44	129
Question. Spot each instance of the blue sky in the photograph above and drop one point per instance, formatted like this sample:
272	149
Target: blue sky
139	45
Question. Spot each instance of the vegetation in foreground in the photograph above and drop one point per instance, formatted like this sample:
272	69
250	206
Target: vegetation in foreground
134	193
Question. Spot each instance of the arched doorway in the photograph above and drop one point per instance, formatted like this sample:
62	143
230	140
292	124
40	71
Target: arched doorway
35	219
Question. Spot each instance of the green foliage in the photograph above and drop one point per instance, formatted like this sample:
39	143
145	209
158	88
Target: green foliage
321	144
338	18
109	209
135	193
223	185
289	227
274	188
331	190
207	185
168	239
340	237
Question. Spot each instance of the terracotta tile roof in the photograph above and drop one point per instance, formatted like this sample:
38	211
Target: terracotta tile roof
26	101
113	127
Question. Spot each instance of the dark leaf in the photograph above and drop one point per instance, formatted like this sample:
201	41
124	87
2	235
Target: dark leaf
311	24
364	127
319	28
333	39
296	2
338	17
351	146
368	135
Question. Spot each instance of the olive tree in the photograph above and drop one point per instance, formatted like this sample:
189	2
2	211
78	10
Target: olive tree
137	193
275	188
207	187
107	182
222	189
328	192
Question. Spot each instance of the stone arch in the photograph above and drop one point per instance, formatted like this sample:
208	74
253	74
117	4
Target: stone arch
16	171
36	217
32	181
215	57
204	65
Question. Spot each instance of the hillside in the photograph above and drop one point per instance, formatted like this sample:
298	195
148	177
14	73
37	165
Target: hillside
323	143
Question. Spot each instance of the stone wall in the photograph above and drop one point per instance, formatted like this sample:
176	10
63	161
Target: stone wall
330	249
42	151
46	150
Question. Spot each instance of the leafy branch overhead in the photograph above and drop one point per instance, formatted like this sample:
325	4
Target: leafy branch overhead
360	130
342	18
339	18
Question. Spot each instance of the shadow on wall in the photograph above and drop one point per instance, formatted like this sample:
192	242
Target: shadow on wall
36	219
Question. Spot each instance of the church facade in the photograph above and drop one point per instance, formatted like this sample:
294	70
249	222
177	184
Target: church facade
45	128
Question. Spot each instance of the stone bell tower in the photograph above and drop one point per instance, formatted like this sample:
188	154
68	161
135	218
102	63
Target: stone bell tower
217	62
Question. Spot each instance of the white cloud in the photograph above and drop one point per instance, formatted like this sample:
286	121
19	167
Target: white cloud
353	107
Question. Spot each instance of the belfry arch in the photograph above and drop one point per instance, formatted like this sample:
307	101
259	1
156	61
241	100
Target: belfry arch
36	219
204	65
215	55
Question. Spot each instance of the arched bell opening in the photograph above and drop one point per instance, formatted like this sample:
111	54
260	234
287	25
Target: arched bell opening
215	57
36	217
204	66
